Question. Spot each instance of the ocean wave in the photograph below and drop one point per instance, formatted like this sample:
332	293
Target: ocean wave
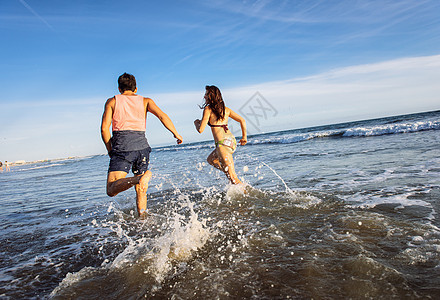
293	136
393	128
358	131
186	147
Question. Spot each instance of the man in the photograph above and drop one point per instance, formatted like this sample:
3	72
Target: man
129	148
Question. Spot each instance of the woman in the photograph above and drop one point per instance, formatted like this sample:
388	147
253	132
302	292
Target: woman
216	115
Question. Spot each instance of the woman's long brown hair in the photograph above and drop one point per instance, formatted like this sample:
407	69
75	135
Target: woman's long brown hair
215	101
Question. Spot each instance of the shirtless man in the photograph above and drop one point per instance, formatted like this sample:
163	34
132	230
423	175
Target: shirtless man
129	148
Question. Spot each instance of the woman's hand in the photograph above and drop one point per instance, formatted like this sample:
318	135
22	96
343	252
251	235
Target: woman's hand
197	124
243	141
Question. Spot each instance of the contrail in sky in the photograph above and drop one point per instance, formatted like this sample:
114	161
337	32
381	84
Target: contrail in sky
36	14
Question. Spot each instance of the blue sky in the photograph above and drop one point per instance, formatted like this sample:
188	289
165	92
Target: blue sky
316	62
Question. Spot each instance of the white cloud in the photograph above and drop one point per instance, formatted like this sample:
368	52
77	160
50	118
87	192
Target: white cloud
399	86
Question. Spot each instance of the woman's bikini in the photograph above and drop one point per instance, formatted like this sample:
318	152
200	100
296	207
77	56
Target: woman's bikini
228	138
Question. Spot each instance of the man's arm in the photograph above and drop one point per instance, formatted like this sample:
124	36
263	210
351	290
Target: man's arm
107	117
163	117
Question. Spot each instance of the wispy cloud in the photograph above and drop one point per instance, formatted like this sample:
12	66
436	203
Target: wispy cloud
319	11
25	4
360	19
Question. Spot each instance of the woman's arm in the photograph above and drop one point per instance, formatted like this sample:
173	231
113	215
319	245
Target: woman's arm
242	121
201	124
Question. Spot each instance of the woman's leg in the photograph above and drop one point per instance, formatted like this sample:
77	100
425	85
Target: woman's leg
227	162
214	161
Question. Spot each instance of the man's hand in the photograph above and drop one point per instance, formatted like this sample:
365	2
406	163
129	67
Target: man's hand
243	141
179	139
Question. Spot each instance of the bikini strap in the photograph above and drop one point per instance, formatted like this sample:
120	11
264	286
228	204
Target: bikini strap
224	126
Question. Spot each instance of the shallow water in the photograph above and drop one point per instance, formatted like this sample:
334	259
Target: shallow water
341	211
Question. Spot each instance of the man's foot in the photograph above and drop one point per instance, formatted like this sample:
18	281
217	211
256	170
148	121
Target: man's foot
143	182
143	214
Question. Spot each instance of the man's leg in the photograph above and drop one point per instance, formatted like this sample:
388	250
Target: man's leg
116	182
141	192
140	166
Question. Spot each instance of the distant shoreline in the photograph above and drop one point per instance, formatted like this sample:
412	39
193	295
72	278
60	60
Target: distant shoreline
23	162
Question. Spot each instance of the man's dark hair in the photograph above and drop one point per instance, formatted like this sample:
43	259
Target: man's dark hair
127	82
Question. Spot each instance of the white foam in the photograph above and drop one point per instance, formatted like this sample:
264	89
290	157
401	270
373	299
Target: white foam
72	278
392	128
361	131
186	147
183	236
401	199
294	137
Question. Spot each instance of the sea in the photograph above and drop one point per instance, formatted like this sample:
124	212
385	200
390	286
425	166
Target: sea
344	211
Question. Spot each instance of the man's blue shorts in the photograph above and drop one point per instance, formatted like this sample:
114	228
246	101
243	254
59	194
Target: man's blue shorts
124	160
